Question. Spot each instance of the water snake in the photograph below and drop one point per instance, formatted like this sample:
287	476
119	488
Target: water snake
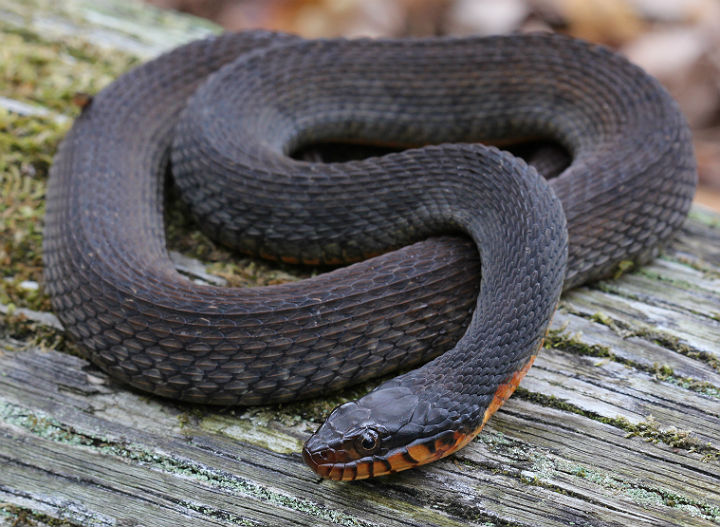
228	113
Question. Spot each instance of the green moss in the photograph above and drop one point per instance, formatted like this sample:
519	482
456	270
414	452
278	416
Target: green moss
623	267
17	516
656	336
603	318
645	495
650	431
546	468
538	467
552	402
665	373
45	75
647	430
49	73
30	333
26	148
558	339
44	426
673	343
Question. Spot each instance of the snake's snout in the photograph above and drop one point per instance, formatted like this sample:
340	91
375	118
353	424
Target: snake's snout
316	458
324	460
347	445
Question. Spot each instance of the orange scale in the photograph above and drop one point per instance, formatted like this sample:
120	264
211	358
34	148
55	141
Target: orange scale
421	453
380	468
398	462
363	471
504	391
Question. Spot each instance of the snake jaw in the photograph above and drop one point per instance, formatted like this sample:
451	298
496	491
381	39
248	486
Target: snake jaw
340	464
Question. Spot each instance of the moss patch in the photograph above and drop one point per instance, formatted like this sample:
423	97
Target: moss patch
675	344
656	336
23	517
648	430
558	339
45	75
26	148
642	494
49	73
17	327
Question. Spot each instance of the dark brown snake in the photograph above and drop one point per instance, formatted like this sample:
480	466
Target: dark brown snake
229	111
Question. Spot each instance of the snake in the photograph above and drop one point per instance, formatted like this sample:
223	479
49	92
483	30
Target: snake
446	253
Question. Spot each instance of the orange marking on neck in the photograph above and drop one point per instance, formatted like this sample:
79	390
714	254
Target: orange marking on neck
363	471
422	454
502	394
349	473
380	468
399	463
336	473
504	391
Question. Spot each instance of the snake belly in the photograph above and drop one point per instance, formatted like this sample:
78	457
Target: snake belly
228	112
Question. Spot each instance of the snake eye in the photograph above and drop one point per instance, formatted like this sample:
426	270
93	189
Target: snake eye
368	441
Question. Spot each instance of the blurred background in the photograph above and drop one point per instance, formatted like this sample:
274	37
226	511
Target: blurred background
677	41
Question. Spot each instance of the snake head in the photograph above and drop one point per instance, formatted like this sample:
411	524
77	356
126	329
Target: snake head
389	430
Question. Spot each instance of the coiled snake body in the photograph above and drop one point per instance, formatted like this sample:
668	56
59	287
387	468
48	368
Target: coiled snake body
229	111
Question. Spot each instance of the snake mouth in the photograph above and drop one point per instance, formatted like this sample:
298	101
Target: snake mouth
338	465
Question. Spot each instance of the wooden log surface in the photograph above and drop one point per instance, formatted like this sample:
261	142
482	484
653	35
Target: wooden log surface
617	424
